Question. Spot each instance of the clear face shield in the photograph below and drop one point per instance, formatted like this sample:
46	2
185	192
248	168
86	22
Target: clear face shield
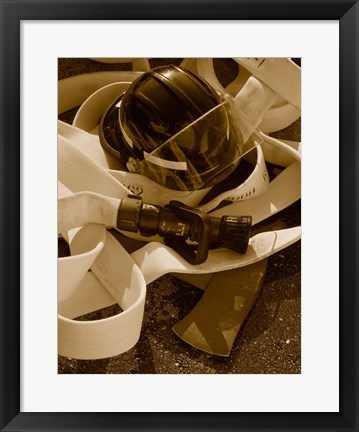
203	153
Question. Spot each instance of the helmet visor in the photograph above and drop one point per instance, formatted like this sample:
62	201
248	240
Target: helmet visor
203	153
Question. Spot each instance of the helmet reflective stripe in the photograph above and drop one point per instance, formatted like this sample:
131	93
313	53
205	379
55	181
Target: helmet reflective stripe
165	163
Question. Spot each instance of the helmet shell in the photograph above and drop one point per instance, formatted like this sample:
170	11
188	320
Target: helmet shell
172	127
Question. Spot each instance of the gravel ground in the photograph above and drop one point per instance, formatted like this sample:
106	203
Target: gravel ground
269	341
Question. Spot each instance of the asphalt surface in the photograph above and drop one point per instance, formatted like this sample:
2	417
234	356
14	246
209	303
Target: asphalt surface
269	341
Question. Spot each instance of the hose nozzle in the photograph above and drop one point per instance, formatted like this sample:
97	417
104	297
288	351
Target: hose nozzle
177	222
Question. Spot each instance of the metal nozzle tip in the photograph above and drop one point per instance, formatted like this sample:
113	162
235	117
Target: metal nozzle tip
234	233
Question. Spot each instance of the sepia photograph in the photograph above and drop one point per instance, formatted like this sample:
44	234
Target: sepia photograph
179	215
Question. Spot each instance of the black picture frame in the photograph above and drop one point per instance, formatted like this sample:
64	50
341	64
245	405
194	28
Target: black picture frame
12	12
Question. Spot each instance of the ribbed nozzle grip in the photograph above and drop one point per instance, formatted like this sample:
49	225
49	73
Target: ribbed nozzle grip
234	232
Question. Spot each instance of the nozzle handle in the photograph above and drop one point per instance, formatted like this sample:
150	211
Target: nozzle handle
201	224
